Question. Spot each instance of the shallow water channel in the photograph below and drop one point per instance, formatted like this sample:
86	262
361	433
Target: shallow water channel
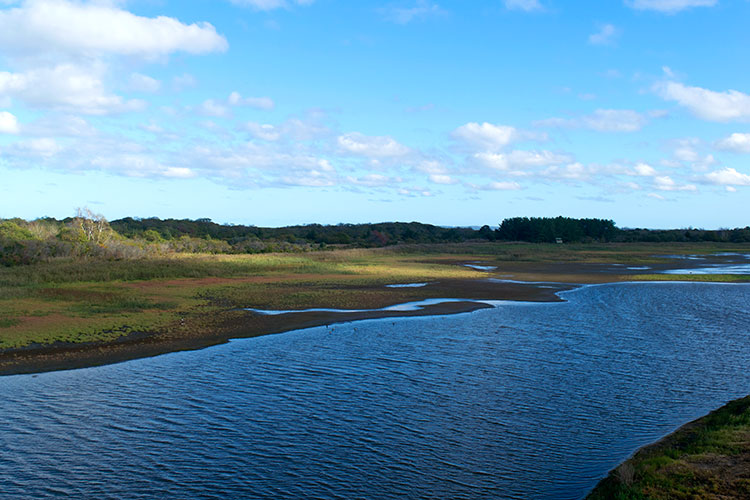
519	401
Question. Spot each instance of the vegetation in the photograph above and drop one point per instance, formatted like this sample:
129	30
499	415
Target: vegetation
90	235
706	459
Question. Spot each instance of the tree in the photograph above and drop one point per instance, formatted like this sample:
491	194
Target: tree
94	226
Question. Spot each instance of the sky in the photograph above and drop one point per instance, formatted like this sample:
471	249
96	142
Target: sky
450	112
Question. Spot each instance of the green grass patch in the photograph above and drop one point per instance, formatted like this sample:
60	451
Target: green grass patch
708	278
93	299
8	322
705	459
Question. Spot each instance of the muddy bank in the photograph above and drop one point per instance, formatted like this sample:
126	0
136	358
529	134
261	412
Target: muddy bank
202	331
707	458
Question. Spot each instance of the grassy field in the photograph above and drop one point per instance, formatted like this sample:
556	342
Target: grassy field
93	305
706	459
83	301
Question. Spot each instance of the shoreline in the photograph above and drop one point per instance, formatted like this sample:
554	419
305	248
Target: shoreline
705	458
519	281
235	323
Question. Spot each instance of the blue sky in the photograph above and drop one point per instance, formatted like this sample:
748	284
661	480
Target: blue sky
276	112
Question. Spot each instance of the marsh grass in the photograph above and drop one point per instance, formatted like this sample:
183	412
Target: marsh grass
705	459
712	278
85	300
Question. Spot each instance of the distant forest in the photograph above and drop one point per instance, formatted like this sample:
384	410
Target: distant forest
90	234
527	229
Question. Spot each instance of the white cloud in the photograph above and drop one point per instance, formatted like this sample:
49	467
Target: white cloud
263	131
525	5
501	186
65	87
644	170
143	83
235	99
209	107
293	129
60	125
574	172
178	172
487	136
270	4
136	164
77	28
371	146
404	15
8	123
602	120
151	127
730	105
442	179
44	147
666	183
728	177
373	180
518	159
184	81
605	36
431	167
685	150
737	143
669	6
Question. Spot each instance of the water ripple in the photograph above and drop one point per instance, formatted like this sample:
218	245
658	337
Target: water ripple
520	401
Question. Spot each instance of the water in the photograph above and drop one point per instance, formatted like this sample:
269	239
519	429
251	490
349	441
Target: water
718	263
520	401
406	306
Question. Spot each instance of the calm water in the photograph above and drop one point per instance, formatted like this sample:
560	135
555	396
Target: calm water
526	401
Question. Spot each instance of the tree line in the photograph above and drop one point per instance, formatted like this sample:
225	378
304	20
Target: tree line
88	234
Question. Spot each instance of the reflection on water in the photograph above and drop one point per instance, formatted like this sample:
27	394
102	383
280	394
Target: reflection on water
519	401
719	263
407	306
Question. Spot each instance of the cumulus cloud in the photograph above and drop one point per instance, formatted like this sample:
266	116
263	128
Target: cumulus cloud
666	183
43	147
442	179
404	15
728	177
730	105
65	87
737	143
8	123
669	6
143	83
97	28
605	36
602	120
264	131
644	170
500	186
572	172
270	4
371	146
487	136
373	180
235	99
293	129
525	5
519	159
221	108
210	107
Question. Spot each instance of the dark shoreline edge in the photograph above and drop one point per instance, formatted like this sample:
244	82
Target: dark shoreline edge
622	481
236	324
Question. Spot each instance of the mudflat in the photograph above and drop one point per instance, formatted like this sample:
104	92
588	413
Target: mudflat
67	314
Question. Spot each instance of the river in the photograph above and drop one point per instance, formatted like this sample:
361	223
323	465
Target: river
523	400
